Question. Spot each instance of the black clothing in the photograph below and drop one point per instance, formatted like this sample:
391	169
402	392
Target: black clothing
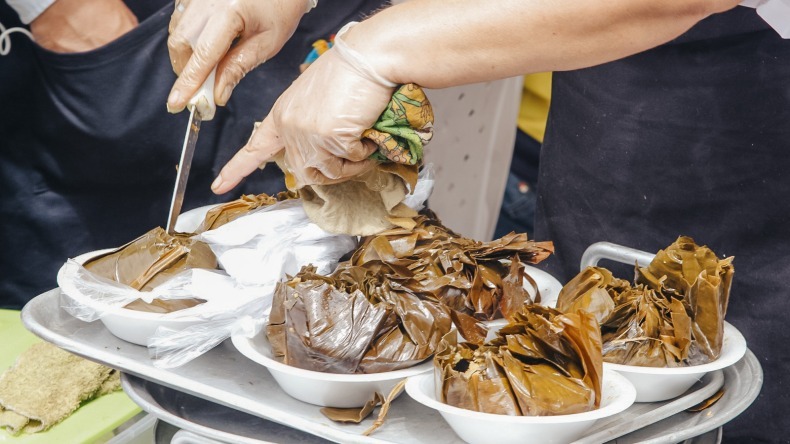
691	138
88	151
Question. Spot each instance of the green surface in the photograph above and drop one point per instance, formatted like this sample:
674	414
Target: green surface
91	423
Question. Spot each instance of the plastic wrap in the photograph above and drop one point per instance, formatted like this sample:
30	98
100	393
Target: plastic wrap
170	347
256	249
90	297
257	241
268	243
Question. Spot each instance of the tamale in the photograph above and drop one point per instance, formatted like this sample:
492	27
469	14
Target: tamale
352	322
542	363
389	305
702	282
151	259
673	315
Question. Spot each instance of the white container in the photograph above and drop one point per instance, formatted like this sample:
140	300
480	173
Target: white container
319	388
130	325
483	428
655	384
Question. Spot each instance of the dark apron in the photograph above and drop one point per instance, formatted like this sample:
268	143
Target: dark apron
88	151
689	138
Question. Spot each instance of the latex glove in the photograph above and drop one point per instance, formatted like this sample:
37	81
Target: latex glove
202	35
318	121
81	25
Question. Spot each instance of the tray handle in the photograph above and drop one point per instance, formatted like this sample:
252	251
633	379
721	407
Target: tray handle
618	253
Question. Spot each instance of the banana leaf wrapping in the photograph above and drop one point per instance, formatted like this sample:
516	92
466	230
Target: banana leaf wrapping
478	281
150	260
542	363
354	321
672	316
228	212
402	290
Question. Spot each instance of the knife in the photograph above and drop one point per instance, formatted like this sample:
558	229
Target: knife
201	107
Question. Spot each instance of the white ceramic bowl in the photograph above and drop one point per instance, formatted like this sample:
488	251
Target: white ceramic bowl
475	427
659	384
130	325
324	389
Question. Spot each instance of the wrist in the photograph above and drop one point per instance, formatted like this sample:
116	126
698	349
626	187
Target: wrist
364	63
379	48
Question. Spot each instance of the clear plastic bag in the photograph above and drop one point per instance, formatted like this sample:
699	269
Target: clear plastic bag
255	251
273	241
418	198
90	297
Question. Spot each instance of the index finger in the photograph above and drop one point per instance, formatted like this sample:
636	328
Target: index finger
263	145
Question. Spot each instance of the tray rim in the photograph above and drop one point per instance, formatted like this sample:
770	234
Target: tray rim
174	380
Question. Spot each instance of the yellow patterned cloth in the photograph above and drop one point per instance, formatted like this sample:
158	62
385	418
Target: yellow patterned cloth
404	127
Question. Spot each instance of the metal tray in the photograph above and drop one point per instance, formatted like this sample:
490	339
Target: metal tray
225	377
209	419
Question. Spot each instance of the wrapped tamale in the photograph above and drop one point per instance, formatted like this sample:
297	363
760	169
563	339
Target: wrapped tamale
702	281
483	280
542	363
352	322
389	305
150	260
672	316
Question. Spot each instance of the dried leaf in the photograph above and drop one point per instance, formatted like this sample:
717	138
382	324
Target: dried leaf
227	212
542	363
673	316
389	306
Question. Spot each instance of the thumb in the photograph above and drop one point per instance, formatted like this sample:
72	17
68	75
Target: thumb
262	146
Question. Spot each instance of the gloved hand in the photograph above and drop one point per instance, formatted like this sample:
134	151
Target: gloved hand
202	34
318	121
81	25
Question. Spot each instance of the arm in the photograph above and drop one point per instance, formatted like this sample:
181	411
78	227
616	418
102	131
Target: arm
318	121
81	25
441	43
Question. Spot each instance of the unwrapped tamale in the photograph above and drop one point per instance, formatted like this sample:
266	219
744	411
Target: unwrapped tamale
150	260
672	316
542	363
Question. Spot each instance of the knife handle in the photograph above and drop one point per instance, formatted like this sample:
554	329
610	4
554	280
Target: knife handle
203	100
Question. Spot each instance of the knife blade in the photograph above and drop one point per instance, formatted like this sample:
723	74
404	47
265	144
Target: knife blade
184	165
201	107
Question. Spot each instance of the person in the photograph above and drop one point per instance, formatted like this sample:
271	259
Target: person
88	151
667	118
519	201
